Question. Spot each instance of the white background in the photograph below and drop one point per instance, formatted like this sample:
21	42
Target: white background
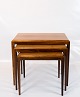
37	16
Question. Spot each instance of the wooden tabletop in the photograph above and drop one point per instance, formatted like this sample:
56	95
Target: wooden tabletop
41	55
29	47
30	37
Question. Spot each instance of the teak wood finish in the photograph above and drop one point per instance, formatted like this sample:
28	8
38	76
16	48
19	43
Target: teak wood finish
39	39
44	48
41	56
39	47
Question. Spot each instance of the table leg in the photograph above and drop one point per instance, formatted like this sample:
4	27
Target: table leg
16	61
66	67
68	46
21	67
13	66
58	68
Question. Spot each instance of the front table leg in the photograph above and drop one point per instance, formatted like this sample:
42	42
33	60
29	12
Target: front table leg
13	63
68	46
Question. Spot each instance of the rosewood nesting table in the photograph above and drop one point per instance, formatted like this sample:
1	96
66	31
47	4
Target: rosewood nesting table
39	39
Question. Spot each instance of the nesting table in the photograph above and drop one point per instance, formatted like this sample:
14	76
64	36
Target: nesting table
39	39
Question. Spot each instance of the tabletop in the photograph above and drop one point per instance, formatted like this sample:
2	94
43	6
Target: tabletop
32	37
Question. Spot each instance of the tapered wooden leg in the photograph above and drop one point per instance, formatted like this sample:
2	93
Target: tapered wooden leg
24	68
58	68
19	84
16	70
65	73
65	68
21	67
13	64
68	46
62	76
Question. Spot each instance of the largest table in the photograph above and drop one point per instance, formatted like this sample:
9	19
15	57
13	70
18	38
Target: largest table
39	39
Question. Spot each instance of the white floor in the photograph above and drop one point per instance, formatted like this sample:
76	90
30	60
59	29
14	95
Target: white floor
41	79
